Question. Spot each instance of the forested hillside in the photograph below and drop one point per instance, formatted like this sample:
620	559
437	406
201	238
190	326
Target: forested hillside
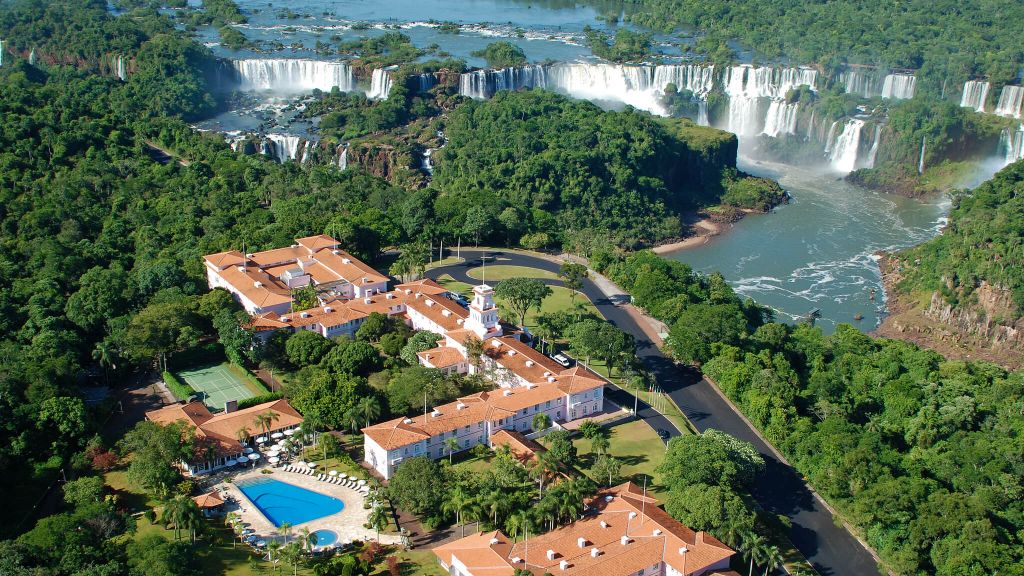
964	290
921	454
944	37
569	166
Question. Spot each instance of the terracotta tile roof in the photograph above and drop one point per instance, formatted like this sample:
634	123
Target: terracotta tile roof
208	500
194	413
653	537
521	359
259	287
222	430
224	259
439	310
348	267
578	379
318	242
333	313
424	286
521	447
267	321
442	356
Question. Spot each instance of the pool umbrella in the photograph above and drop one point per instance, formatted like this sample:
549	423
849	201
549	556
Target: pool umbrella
332	473
254	457
273	459
248	450
289	432
311	464
361	482
231	462
262	439
276	435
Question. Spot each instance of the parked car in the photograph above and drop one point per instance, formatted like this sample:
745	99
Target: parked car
663	434
562	359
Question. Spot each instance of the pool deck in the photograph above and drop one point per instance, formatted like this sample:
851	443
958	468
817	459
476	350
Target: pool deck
347	524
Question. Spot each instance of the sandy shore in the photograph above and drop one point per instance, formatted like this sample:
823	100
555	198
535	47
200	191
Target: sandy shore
706	230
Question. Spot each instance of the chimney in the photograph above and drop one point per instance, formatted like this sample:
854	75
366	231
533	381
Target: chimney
435	413
657	532
604	524
581	542
683	550
346	261
430	303
335	251
304	315
594	552
507	393
551	379
407	421
328	309
494	541
511	352
624	540
390	296
230	406
563	564
551	554
632	515
460	406
368	300
516	559
529	363
258	284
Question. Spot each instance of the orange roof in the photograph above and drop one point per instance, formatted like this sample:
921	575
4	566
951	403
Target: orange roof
442	357
208	500
438	309
424	286
652	537
333	313
521	447
318	242
521	359
222	429
224	259
578	379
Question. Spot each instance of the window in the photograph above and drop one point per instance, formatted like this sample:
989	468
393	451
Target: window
547	404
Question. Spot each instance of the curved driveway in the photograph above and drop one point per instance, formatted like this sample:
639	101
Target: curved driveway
781	490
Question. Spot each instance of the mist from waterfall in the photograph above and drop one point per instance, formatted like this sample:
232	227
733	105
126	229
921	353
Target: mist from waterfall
291	76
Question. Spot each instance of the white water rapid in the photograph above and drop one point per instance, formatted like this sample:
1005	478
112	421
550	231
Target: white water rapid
781	118
1011	145
380	85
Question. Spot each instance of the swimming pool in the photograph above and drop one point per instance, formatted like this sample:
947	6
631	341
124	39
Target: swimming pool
285	503
325	538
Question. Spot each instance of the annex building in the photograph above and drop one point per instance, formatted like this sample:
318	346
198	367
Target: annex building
623	532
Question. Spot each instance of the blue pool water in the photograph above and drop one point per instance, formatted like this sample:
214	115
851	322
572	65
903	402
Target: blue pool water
325	538
284	503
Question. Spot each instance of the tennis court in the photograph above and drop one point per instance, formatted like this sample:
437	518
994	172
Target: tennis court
217	384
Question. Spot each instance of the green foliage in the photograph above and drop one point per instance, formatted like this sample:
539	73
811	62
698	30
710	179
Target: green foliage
410	387
418	485
521	295
945	37
627	46
261	399
304	298
154	555
156	451
713	458
387	49
419	342
982	244
572	168
502	54
753	193
232	38
307	348
179	389
83	491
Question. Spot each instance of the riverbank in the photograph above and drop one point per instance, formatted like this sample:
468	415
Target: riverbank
909	320
707	224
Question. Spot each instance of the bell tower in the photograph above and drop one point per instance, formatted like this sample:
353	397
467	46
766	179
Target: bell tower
483	314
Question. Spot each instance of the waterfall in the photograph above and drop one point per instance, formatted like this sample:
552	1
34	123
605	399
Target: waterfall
1	53
843	155
857	81
482	84
633	85
696	78
781	118
282	147
1009	101
1011	145
427	165
975	94
343	158
831	135
702	113
426	81
920	162
810	127
380	85
899	86
291	76
873	152
32	57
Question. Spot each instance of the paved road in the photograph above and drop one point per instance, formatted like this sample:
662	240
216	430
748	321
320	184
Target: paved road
831	549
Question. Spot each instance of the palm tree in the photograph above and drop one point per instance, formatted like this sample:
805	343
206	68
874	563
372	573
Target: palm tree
451	444
771	558
369	408
378	520
292	554
243	434
106	355
268	420
307	539
285	530
494	502
274	553
351	419
599	443
174	512
518	523
474	351
457	502
753	543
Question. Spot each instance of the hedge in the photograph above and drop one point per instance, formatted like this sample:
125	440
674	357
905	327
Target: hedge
268	397
254	379
179	389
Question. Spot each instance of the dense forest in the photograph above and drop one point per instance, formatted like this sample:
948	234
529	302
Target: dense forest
944	39
921	454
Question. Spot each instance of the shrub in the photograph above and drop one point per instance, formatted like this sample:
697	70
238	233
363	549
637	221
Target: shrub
262	398
179	389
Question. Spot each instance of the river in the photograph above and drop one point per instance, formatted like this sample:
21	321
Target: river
817	252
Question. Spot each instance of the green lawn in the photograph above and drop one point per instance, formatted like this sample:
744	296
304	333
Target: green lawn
560	299
505	271
133	499
637	447
449	260
475	465
454	285
660	401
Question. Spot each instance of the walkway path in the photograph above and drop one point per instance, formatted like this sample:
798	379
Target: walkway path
781	490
